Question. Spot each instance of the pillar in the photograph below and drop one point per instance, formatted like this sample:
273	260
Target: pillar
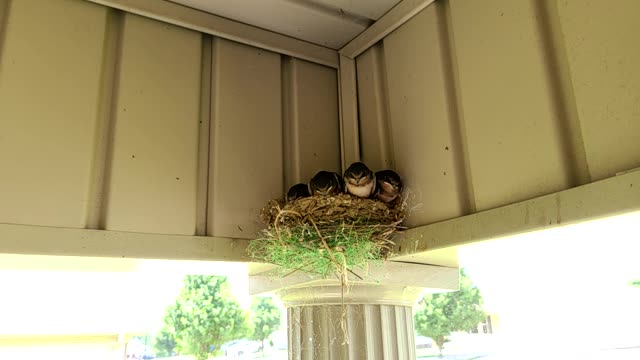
352	331
372	319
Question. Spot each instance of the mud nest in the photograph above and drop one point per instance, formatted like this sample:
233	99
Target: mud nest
327	235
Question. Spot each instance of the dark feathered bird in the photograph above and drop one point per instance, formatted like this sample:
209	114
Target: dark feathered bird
359	180
388	185
325	183
298	191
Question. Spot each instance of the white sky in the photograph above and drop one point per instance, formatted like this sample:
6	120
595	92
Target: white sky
133	298
568	283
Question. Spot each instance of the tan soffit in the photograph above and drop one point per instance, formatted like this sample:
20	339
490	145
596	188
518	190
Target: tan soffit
329	23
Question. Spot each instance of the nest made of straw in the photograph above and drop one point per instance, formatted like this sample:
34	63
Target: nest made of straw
327	234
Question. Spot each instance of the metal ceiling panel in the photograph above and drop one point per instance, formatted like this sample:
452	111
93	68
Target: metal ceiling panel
330	23
370	9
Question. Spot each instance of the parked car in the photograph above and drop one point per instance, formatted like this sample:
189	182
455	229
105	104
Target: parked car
241	347
423	342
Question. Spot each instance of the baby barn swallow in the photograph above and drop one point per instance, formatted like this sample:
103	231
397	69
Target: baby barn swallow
388	185
325	183
359	180
298	191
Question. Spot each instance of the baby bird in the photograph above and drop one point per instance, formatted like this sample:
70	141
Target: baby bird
297	191
388	185
359	180
325	183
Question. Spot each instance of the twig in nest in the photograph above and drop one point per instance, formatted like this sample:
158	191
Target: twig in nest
294	270
324	243
354	274
275	223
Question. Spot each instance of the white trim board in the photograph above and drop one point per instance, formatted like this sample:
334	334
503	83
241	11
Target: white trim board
204	22
609	197
44	240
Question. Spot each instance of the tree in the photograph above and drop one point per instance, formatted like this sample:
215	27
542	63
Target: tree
165	342
438	315
205	316
266	318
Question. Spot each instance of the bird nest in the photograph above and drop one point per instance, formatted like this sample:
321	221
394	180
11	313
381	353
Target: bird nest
324	235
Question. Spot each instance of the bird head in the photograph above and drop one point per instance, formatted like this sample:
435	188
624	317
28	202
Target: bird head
358	174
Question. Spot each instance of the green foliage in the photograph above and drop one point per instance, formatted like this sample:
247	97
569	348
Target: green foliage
635	283
266	318
438	315
204	317
300	248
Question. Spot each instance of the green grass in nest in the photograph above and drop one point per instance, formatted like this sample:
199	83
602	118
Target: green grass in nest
300	248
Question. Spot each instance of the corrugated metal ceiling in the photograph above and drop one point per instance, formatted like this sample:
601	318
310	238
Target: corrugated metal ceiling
330	23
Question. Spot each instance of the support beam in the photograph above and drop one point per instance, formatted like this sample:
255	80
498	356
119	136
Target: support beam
349	124
42	240
201	21
398	15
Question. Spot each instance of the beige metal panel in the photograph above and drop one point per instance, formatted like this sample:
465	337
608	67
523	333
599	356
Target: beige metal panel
601	44
373	108
423	124
153	167
515	135
311	121
49	85
246	166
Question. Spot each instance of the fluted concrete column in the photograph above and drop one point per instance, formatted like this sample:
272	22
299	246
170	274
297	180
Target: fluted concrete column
372	321
371	331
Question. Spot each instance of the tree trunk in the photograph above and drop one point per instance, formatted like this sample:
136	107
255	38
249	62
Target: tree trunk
440	340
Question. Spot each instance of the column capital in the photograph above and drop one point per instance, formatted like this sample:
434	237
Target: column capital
386	283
